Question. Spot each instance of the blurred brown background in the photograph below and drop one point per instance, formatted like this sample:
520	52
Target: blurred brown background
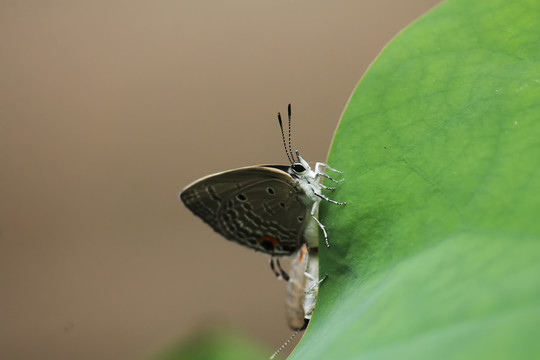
108	109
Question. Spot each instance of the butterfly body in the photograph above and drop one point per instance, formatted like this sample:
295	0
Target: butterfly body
302	288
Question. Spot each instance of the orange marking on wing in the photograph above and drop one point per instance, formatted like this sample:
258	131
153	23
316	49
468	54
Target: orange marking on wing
303	252
270	239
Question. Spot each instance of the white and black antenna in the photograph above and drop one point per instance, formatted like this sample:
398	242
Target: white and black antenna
286	343
290	145
287	144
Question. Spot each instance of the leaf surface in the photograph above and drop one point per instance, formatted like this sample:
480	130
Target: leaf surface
436	254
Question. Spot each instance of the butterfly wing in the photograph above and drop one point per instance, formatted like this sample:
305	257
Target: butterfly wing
258	207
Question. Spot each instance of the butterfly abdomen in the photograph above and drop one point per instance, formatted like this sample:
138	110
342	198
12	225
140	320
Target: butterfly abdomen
295	295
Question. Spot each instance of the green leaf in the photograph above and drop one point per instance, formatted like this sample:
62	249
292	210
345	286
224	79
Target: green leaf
213	344
437	254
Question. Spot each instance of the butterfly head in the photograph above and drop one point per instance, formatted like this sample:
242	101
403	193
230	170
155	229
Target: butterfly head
299	168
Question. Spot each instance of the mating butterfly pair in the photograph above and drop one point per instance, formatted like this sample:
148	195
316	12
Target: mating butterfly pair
272	209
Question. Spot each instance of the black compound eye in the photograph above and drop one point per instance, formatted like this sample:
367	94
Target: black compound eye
298	168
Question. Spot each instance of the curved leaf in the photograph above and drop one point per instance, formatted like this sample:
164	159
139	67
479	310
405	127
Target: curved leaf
436	254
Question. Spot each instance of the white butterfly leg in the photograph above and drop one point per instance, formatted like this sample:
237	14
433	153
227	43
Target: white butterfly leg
329	200
320	166
320	172
316	285
281	274
318	175
314	209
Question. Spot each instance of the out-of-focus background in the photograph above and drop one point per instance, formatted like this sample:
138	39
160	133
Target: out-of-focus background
107	110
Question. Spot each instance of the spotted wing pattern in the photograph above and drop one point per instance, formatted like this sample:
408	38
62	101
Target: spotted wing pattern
258	207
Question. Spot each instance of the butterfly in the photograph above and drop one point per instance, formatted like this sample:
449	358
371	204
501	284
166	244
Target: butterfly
272	209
